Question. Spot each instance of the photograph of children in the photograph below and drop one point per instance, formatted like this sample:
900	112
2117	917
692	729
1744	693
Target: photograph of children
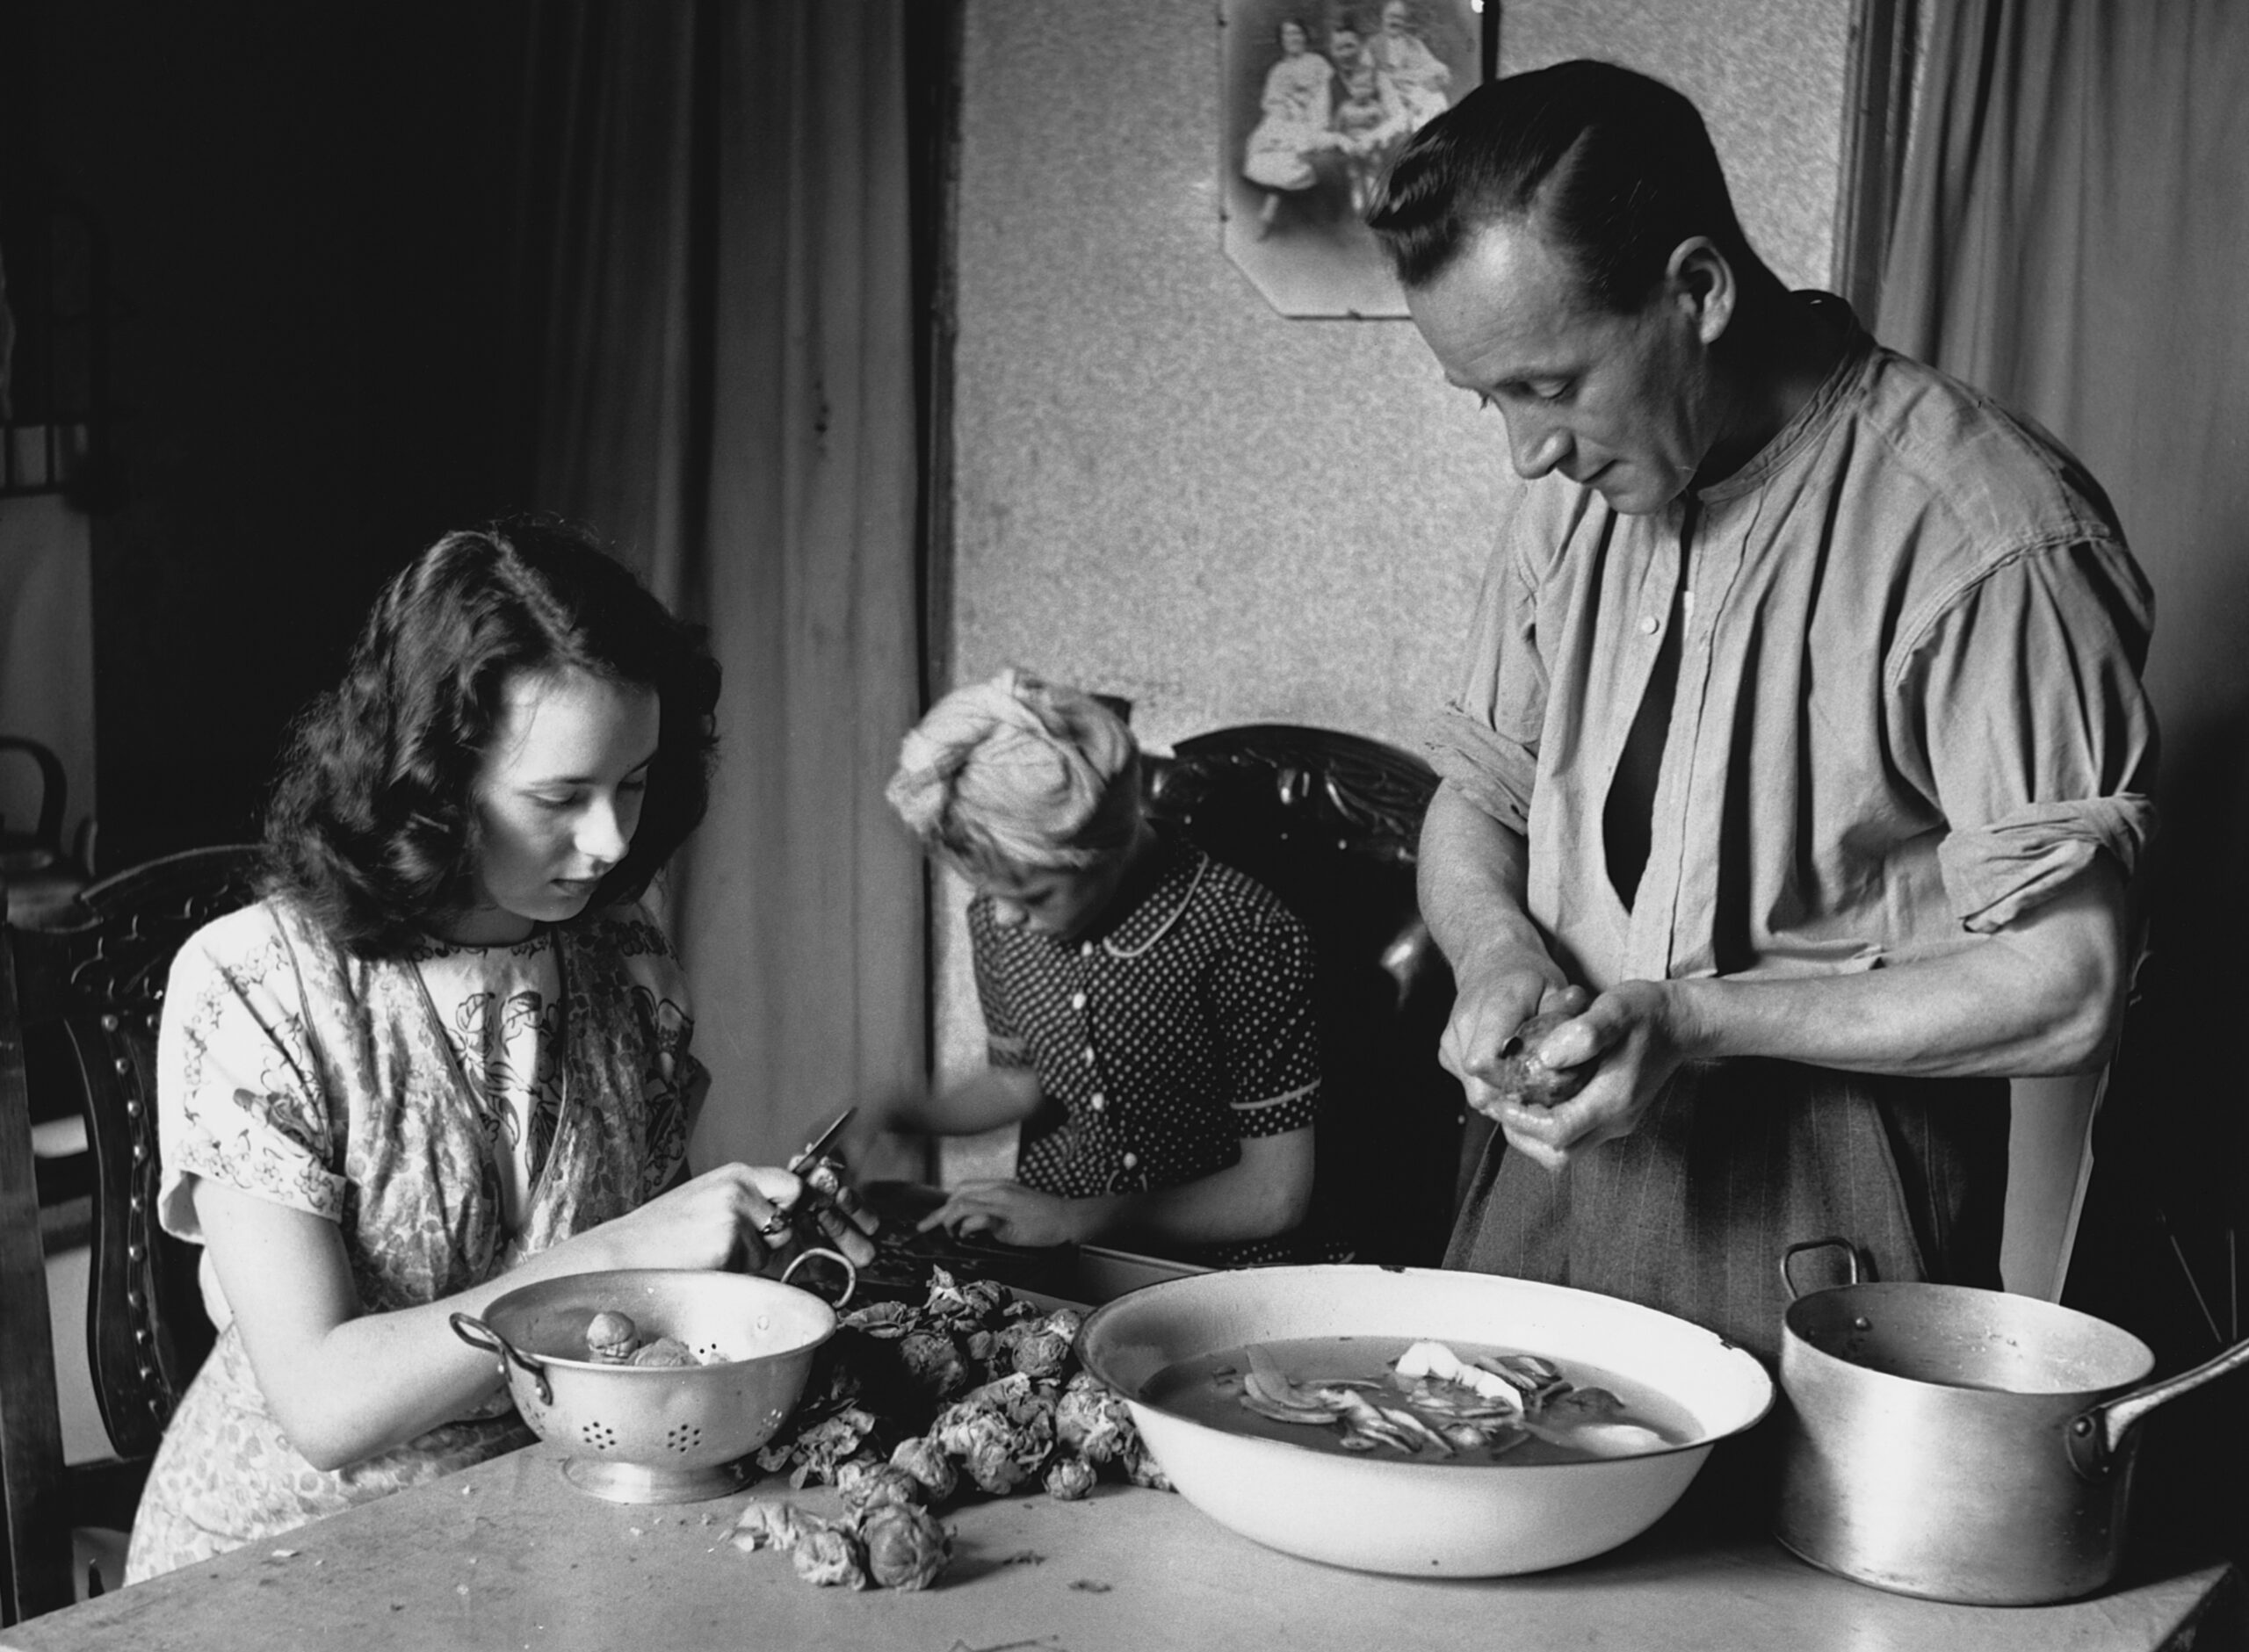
1317	96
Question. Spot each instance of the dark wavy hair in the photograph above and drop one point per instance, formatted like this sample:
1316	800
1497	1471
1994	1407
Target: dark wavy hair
1616	169
371	824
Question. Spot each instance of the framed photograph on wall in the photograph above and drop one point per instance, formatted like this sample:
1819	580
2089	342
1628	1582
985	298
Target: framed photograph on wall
1315	98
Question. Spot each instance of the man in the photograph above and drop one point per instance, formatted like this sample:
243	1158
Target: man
1801	758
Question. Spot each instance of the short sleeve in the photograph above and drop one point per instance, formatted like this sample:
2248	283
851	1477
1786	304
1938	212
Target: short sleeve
240	1099
1005	1045
1261	998
2020	711
1486	740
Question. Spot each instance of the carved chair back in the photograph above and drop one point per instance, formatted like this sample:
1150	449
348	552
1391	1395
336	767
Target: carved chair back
92	985
1330	822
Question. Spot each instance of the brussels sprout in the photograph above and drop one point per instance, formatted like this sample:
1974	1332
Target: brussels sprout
906	1548
829	1556
665	1351
1092	1421
933	1363
611	1337
1042	1353
926	1462
1069	1478
869	1485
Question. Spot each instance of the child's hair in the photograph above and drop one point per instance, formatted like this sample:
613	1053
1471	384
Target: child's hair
1017	774
372	824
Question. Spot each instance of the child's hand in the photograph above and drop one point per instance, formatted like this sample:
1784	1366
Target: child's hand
1007	1211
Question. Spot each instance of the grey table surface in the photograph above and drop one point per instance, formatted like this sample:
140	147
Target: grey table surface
509	1554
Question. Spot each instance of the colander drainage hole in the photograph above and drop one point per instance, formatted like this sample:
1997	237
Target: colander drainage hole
683	1438
600	1435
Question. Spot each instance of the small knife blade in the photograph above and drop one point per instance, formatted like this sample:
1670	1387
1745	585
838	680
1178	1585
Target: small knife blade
821	1142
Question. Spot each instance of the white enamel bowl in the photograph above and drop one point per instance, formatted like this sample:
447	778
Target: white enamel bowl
1420	1519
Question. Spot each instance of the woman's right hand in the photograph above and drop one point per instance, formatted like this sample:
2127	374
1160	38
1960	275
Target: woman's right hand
734	1216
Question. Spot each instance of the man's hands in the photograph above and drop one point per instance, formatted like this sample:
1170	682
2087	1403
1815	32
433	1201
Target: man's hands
1630	1037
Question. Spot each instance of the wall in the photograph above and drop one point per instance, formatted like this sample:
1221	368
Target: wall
1166	490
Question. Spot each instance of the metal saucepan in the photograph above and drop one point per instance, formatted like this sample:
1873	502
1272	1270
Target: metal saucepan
649	1433
1963	1445
1424	1519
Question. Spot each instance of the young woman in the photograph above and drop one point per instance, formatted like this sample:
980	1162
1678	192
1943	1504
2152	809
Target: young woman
1148	1010
447	1053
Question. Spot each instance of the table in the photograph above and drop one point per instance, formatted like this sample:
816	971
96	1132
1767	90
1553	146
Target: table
509	1556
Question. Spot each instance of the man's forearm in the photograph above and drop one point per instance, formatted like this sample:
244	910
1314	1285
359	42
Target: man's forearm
2042	996
1473	875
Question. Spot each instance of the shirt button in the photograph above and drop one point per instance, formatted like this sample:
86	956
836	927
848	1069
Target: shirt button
1089	1055
1648	623
1077	1000
1085	949
1131	1161
1097	1102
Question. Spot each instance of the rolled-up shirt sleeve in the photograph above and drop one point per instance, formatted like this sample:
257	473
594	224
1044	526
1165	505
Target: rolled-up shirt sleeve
2019	709
1486	740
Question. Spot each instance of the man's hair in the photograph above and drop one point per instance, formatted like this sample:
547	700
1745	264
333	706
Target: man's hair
372	824
1613	168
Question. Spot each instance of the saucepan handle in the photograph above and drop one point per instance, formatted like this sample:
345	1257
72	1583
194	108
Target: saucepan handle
2096	1434
850	1274
1788	1276
477	1334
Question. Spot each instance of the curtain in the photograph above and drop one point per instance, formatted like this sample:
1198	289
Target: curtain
712	272
2072	233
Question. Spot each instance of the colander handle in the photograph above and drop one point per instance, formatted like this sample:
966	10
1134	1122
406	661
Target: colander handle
850	1274
477	1334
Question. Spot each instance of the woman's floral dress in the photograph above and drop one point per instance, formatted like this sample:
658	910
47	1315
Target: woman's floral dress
451	1114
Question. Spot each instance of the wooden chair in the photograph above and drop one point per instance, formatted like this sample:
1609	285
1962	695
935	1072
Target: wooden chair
1329	822
93	983
40	876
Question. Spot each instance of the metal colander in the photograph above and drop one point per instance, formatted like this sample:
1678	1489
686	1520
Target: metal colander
648	1433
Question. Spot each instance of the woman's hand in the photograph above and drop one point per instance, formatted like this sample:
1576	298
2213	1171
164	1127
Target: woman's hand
734	1216
1007	1211
831	1206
